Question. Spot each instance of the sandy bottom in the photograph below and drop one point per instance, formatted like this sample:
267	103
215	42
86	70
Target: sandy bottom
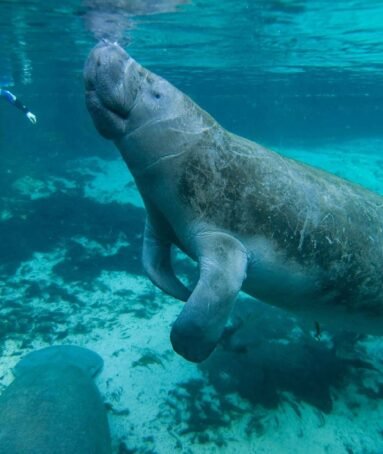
271	387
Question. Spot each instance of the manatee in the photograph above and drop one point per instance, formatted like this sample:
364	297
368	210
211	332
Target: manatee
53	406
286	233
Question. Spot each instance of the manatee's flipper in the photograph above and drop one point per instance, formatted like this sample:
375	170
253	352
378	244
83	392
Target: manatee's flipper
86	360
156	259
222	265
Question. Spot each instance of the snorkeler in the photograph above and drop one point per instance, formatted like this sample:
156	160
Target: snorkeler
11	98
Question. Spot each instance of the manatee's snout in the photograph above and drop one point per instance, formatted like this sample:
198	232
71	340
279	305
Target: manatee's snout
105	65
108	94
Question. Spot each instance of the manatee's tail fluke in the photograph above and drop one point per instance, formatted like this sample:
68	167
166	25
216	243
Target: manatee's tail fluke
87	360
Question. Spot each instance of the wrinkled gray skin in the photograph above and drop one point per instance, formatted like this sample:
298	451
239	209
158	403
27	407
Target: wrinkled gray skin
53	406
286	233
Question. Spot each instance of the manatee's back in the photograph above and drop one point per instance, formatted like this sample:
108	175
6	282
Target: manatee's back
53	406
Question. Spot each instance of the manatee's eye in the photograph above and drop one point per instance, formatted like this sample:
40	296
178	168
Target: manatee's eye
157	95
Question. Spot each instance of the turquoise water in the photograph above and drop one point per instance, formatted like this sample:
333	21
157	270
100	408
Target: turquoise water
301	77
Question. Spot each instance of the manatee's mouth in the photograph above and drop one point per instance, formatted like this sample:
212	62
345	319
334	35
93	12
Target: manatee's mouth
113	109
119	111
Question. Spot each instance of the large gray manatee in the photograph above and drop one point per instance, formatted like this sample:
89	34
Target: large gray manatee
53	406
286	233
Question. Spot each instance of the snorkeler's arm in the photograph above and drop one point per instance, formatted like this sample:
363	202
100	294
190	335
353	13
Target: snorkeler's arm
11	98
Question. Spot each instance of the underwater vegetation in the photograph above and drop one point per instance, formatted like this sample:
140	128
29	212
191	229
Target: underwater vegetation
268	356
52	255
276	369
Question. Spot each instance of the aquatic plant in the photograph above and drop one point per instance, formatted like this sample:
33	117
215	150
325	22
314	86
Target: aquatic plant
148	359
195	411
